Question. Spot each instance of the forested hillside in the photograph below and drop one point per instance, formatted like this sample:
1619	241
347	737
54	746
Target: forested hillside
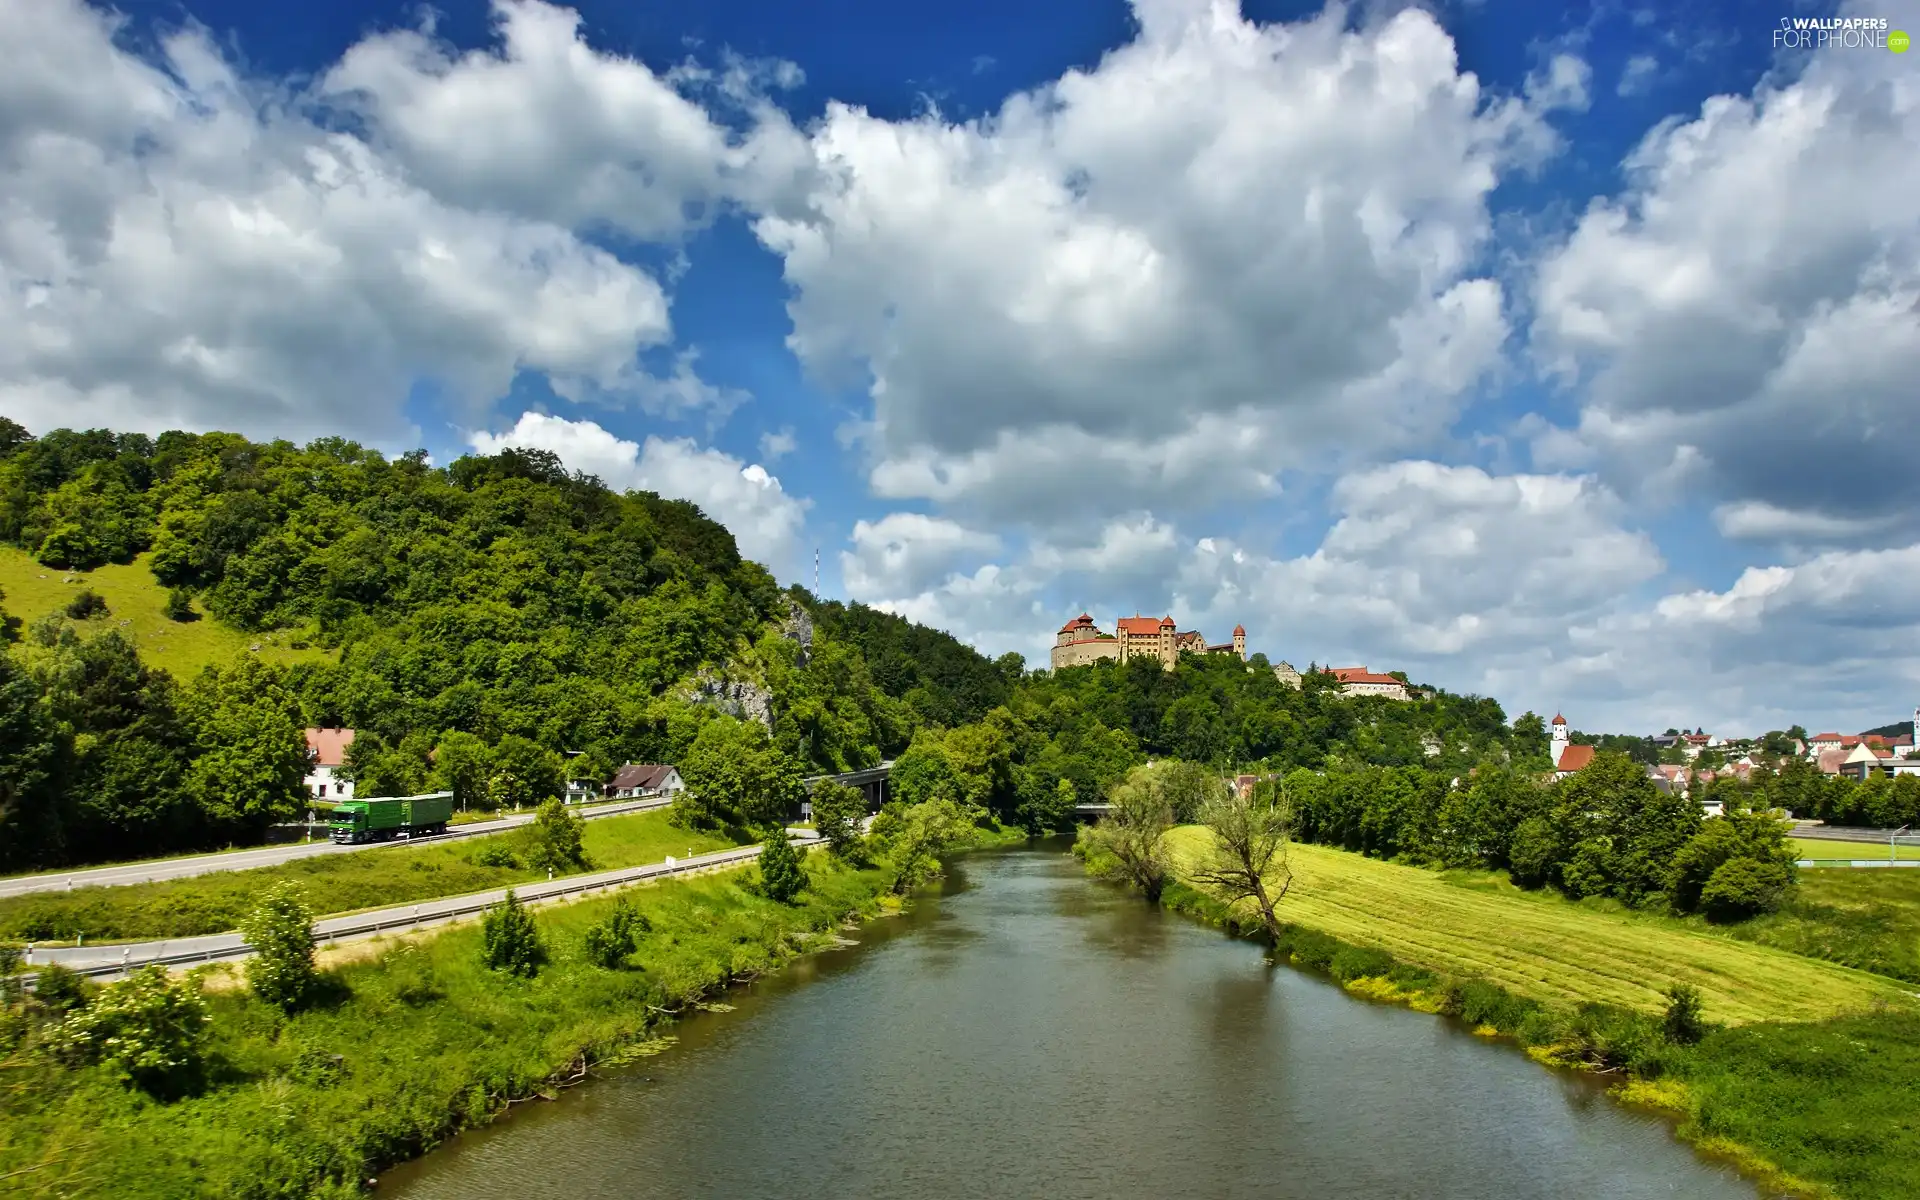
498	625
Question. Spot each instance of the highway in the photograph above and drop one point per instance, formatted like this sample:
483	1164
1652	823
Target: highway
110	960
154	870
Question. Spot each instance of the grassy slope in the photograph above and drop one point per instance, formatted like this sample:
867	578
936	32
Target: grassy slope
1542	947
430	1042
334	883
137	602
1862	918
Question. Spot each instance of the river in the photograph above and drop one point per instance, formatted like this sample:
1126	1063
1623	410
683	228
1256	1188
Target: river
1029	1033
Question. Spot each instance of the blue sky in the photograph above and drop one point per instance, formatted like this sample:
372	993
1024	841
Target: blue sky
1565	355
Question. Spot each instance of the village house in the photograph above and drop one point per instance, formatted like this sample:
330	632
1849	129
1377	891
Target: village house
326	754
1358	681
640	780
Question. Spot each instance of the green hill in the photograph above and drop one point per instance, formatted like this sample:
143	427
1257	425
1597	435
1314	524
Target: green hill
136	607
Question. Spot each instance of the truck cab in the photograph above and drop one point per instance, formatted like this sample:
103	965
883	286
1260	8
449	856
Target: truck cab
349	821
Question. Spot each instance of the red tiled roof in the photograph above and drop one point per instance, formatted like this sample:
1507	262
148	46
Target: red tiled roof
1825	737
1140	626
1575	758
1083	621
1361	675
1166	622
1239	631
1558	719
329	746
1226	646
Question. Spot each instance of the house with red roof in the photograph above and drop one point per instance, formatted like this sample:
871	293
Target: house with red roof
1359	681
326	754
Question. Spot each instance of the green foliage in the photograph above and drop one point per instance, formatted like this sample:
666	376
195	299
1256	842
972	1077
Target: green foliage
838	812
736	775
510	940
60	989
1685	1022
781	875
150	1029
88	605
607	943
1735	835
462	764
281	971
1744	887
179	606
913	836
553	841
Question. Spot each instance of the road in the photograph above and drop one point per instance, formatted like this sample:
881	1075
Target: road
158	869
112	960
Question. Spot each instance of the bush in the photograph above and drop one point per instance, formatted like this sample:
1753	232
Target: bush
61	989
495	852
1744	887
1532	853
781	877
180	606
151	1029
1356	962
87	605
552	842
1685	1023
510	940
280	930
607	943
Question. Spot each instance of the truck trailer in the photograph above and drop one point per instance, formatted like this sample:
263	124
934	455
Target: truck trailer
387	818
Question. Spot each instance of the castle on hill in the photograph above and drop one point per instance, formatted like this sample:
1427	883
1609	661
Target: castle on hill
1080	641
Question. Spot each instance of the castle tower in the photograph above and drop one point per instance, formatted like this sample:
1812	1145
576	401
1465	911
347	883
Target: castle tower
1916	731
1559	744
1240	641
1169	655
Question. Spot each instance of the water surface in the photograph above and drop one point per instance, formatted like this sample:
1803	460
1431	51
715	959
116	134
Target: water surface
1031	1034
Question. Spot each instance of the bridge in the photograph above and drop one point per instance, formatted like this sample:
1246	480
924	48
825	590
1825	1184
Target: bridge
872	782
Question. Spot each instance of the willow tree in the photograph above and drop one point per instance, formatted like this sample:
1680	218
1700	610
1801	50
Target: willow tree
1133	836
1248	856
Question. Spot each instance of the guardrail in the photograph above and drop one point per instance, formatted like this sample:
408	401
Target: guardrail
444	911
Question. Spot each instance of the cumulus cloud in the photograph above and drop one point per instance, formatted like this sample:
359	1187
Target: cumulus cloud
181	245
546	126
904	553
1753	300
765	521
1226	250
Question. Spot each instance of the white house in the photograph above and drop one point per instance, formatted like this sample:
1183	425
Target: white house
645	779
327	752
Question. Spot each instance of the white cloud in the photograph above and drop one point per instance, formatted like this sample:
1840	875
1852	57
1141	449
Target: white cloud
182	246
1637	77
548	127
902	554
775	446
1226	250
765	521
1753	300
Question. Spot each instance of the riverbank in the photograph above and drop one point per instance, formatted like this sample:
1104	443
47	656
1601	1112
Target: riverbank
1820	1106
407	1048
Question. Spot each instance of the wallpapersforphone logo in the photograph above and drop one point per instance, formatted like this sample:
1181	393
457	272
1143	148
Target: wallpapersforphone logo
1839	33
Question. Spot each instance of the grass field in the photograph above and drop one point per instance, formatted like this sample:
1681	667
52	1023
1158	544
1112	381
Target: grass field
334	883
1822	849
1542	947
1867	919
137	603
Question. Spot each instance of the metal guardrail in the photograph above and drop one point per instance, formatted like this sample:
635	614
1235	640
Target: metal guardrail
461	907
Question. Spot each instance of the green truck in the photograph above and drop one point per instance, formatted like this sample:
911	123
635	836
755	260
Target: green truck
384	819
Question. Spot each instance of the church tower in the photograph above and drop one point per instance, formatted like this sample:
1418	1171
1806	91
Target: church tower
1559	745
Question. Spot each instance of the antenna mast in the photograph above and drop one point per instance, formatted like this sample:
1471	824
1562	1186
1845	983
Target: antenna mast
816	572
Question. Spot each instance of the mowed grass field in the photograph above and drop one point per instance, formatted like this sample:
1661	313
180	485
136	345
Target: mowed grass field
334	883
1829	850
138	610
1544	947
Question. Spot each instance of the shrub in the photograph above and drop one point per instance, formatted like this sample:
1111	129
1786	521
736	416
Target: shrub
1356	962
781	877
552	841
151	1030
280	930
1532	853
87	605
180	606
1685	1023
607	943
61	989
495	852
1743	887
510	940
